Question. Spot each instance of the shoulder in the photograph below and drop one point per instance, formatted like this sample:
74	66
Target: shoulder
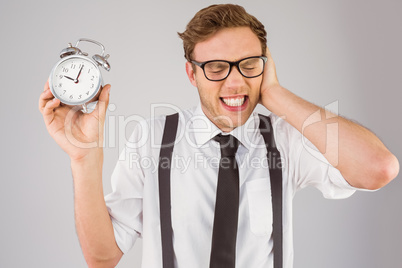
287	137
281	128
150	130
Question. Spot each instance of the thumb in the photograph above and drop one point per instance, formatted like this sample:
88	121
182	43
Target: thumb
103	101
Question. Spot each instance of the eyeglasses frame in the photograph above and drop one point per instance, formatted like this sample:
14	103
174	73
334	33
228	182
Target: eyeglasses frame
231	64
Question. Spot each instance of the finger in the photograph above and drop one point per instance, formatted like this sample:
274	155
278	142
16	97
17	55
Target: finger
270	78
103	100
270	61
46	85
268	53
45	96
48	110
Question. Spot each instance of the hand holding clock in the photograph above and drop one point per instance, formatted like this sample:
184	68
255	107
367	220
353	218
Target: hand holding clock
77	133
80	135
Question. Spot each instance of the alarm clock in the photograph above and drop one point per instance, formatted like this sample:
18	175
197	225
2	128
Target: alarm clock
76	78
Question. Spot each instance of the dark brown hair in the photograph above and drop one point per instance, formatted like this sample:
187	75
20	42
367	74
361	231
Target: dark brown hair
211	19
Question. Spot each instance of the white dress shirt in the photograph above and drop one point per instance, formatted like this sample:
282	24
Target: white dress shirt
134	202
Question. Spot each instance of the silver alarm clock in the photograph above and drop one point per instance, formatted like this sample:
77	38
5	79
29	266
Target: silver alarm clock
76	78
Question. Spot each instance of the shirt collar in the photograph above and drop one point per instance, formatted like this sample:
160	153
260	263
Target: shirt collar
204	129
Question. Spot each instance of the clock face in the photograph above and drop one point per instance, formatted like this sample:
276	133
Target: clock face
75	80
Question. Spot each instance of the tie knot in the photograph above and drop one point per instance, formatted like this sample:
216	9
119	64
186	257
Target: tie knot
228	143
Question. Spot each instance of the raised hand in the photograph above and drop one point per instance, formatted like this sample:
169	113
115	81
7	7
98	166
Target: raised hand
270	80
77	133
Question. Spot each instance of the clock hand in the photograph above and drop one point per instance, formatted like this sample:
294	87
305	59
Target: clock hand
68	77
79	73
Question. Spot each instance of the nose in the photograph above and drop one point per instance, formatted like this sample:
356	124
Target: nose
235	78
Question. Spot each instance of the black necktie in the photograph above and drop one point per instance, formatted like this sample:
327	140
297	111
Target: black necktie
223	251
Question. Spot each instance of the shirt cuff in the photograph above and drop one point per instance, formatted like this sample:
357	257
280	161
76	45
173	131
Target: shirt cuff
336	175
125	240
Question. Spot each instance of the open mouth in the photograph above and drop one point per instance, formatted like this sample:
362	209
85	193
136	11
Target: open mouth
235	103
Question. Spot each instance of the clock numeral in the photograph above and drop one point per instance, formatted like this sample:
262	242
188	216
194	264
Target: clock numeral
92	79
79	97
71	96
79	67
60	84
92	85
63	93
65	70
87	93
89	70
61	76
73	66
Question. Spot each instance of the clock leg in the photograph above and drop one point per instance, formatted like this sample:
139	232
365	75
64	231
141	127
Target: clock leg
84	108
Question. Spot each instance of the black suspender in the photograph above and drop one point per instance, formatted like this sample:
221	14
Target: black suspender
165	159
275	174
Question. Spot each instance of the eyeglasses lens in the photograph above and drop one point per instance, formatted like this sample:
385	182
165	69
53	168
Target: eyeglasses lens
218	70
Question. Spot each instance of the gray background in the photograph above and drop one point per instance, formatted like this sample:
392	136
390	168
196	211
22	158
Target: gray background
347	52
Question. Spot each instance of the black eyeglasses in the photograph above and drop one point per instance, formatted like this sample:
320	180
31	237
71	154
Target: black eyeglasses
218	70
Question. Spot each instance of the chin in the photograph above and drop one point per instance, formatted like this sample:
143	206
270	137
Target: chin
234	121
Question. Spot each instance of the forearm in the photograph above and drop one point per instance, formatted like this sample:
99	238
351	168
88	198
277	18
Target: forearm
357	153
93	223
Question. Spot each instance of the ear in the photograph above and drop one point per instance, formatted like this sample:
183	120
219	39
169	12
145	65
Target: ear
190	73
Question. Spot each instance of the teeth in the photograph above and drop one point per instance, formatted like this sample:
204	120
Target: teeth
234	102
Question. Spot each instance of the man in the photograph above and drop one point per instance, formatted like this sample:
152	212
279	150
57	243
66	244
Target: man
229	63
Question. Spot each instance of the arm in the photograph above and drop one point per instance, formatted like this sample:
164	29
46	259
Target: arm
93	223
79	136
357	153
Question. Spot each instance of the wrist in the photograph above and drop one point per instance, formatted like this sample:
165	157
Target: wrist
87	178
90	162
269	96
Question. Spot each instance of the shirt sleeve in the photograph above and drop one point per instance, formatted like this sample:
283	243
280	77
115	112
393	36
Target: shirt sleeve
306	165
125	202
314	170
